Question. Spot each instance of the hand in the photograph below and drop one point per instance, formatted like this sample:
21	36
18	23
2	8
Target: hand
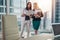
30	15
37	16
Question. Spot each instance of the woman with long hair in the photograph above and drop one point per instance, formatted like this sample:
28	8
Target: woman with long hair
26	13
36	17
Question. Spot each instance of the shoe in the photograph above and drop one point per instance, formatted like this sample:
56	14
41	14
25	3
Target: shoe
22	37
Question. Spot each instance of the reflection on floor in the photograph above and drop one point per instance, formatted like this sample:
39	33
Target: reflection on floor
40	37
44	36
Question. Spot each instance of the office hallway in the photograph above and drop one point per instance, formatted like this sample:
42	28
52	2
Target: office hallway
40	37
43	36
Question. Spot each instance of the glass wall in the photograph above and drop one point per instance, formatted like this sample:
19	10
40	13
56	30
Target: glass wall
1	2
2	6
1	9
57	12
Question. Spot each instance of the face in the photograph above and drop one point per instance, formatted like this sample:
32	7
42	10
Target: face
29	5
34	5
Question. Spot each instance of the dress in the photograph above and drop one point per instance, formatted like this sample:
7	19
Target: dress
36	21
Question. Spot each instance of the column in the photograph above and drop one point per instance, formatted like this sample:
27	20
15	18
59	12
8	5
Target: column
7	7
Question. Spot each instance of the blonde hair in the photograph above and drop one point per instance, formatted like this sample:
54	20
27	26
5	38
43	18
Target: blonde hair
36	6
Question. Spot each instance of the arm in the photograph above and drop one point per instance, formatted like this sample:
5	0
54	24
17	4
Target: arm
37	16
41	14
24	13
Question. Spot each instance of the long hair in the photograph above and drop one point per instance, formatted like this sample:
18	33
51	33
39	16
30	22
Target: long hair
27	6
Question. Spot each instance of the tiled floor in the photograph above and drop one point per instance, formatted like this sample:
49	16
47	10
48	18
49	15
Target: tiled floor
40	37
58	38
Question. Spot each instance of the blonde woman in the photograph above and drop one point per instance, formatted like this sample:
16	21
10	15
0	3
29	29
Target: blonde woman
36	17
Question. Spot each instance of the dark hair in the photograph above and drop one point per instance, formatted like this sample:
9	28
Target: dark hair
27	6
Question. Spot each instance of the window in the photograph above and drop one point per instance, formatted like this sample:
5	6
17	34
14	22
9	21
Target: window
16	3
16	7
5	2
11	2
1	2
5	10
1	9
57	12
16	10
19	24
11	10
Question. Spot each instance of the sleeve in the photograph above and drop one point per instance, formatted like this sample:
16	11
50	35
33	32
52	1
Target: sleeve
24	11
41	14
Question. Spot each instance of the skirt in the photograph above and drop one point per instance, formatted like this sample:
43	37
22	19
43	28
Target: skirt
36	24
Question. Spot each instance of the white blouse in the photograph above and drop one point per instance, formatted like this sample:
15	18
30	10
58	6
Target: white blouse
37	10
27	12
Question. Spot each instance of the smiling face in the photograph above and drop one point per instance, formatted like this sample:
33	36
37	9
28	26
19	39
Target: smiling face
35	6
29	6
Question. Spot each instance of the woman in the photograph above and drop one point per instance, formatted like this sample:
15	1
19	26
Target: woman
26	13
36	17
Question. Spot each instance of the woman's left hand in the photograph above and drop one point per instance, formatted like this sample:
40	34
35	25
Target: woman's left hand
37	16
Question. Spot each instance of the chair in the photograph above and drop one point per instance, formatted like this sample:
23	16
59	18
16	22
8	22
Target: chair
56	29
9	27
